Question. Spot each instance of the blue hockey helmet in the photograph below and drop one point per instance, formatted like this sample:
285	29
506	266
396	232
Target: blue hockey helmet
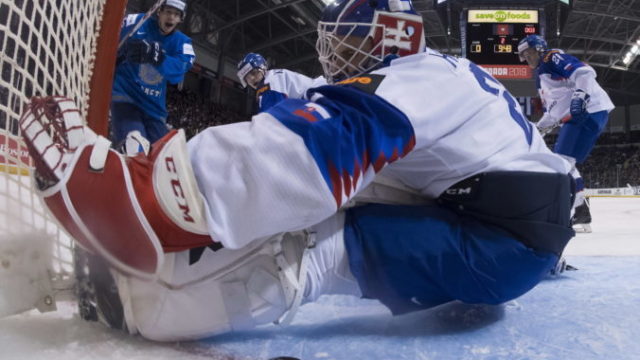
355	36
531	41
250	62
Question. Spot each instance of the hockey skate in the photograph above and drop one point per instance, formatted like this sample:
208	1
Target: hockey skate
581	219
96	291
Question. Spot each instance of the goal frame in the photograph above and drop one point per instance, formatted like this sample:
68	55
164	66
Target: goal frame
43	286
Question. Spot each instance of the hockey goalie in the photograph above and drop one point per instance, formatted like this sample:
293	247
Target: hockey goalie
415	181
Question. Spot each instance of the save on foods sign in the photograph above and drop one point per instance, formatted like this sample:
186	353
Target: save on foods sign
503	16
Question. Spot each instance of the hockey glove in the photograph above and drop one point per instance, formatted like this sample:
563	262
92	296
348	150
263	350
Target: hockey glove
129	210
143	51
544	130
579	101
550	126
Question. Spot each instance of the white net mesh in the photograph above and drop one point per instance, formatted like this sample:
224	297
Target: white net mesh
48	48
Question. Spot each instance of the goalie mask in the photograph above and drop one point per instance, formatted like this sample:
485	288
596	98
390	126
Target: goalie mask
356	36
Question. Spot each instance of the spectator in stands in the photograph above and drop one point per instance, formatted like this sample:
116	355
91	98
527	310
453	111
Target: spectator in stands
612	166
155	54
189	111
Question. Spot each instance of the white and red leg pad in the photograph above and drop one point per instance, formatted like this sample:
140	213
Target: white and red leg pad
128	210
168	193
132	210
100	211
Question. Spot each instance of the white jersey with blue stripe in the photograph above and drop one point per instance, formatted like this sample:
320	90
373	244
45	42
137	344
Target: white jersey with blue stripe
424	123
559	75
465	122
280	84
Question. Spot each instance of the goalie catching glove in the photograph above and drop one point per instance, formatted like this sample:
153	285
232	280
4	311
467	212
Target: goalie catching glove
129	210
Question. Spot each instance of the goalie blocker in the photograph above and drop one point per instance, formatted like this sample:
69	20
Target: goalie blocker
88	187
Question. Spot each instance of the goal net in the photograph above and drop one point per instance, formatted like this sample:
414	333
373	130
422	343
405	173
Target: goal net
49	47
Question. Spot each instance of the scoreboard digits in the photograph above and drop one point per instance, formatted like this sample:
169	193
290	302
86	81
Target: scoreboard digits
503	49
492	36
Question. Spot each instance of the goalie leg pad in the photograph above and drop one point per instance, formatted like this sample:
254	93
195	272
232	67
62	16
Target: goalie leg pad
120	231
127	210
226	290
154	205
166	187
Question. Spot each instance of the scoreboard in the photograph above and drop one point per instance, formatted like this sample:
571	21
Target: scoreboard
491	40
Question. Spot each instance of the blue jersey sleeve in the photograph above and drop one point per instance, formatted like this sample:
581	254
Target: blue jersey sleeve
559	65
347	132
179	57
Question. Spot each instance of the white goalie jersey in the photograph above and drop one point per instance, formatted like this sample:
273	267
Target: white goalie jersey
412	122
280	84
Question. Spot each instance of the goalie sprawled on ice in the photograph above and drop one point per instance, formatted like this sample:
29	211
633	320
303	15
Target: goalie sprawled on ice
456	195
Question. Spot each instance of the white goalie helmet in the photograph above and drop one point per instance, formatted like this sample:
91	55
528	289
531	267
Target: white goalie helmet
356	36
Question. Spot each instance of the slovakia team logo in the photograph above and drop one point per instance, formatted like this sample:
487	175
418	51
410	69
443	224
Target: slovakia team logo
404	31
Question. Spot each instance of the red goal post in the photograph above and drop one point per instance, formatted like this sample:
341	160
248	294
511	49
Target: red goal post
50	47
102	80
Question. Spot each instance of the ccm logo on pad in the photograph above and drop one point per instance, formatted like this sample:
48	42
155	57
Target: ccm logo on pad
178	192
458	191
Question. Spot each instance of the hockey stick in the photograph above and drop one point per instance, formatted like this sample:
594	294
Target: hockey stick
146	16
549	129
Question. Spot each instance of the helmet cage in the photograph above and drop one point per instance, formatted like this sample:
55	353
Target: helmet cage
389	32
337	67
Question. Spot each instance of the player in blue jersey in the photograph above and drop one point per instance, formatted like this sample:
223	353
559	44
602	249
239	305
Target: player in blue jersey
156	54
573	99
275	85
416	183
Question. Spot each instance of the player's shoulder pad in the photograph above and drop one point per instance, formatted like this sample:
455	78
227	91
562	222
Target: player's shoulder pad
368	83
264	88
131	19
549	54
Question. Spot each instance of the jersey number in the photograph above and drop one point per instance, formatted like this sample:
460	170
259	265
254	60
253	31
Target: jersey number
484	79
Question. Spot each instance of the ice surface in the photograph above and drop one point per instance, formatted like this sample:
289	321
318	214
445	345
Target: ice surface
592	313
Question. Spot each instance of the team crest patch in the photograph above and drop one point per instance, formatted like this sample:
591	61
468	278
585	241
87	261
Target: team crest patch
149	75
367	83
